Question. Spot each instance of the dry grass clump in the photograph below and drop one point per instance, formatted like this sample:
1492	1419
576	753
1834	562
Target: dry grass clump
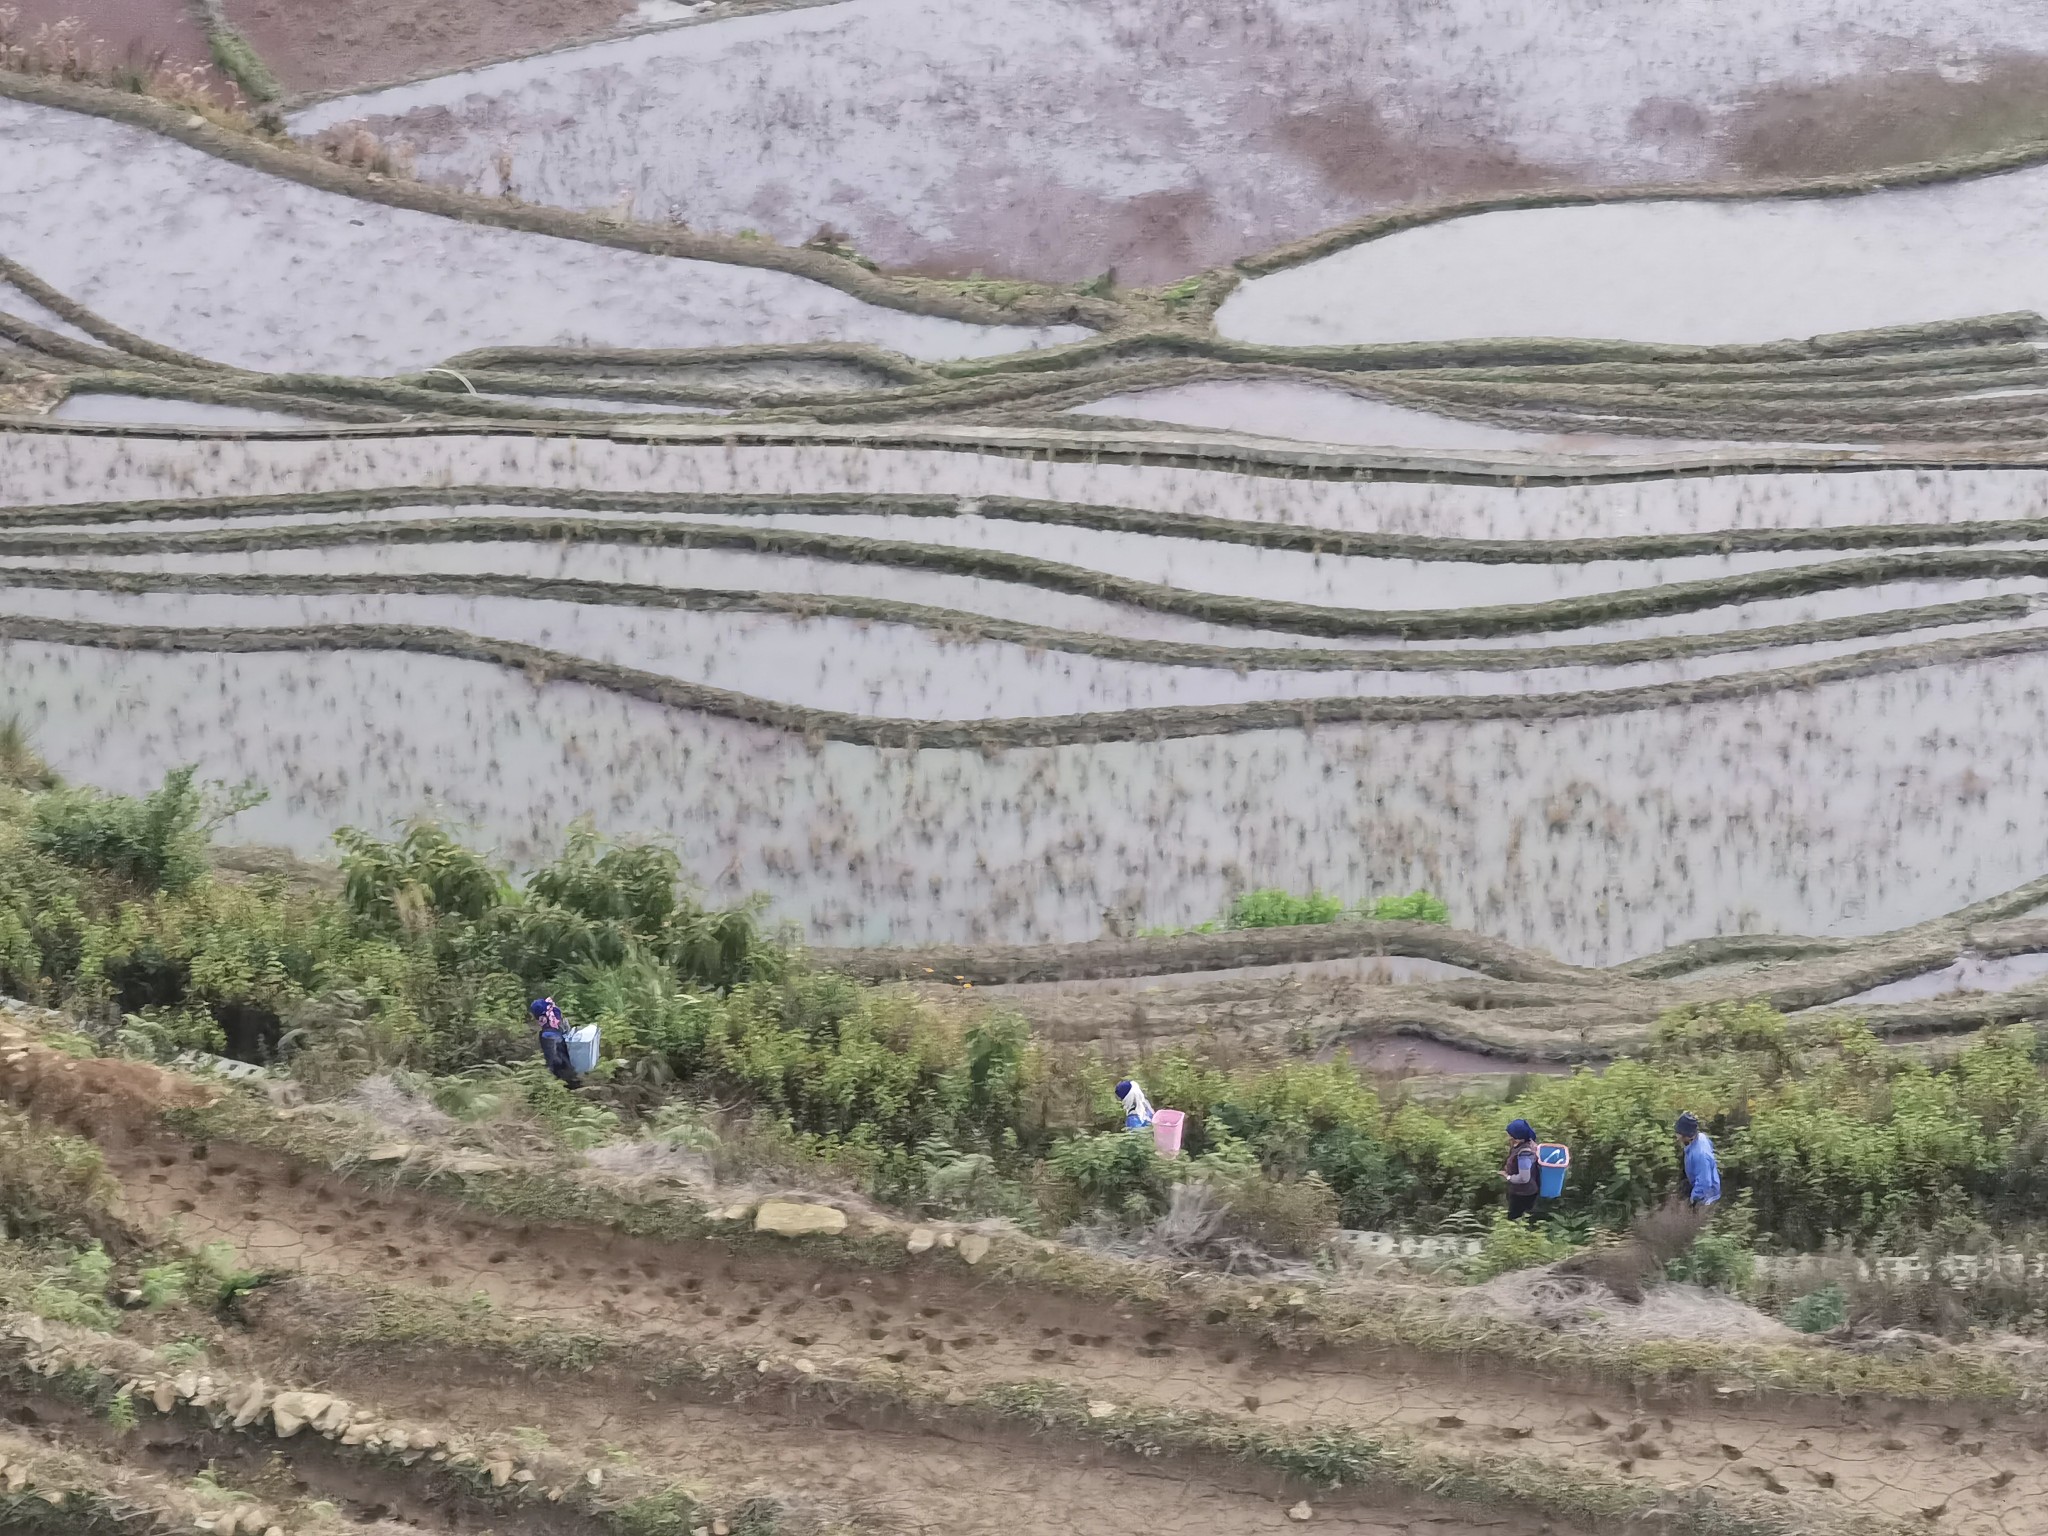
64	50
355	146
1654	1240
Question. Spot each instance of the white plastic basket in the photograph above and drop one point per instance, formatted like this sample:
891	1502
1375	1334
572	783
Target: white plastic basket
582	1048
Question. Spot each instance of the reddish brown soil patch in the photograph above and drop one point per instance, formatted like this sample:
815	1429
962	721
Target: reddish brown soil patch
1896	117
1351	145
315	45
130	34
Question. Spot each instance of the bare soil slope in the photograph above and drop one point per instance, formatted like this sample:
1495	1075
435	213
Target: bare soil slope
938	1322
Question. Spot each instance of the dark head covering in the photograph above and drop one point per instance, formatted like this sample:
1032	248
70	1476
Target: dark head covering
538	1007
1123	1088
1519	1129
1688	1124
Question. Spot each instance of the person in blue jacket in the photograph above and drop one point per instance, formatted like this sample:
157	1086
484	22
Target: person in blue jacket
1702	1167
554	1039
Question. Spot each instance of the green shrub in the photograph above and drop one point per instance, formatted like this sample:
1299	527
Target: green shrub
1120	1174
1511	1245
1280	909
1717	1259
1415	907
1818	1311
155	843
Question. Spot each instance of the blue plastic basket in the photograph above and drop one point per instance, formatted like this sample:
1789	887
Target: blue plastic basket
1552	1161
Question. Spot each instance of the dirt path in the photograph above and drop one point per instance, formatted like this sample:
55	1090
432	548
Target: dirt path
899	1478
1985	1477
943	1323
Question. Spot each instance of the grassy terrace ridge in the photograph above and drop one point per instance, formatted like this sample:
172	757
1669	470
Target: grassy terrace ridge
1096	517
1321	1459
1674	597
1292	1315
1880	384
958	624
386	1324
1148	445
1031	304
1870	960
1159	723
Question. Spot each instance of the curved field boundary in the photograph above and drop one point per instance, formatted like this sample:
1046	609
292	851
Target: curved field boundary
1521	1005
62	305
1379	226
1933	345
1095	517
959	624
1174	954
1162	723
1033	304
1056	576
1160	449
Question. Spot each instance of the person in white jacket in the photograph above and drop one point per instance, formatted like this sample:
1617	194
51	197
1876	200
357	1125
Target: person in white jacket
1137	1108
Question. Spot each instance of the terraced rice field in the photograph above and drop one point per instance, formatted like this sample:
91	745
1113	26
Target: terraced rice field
1657	580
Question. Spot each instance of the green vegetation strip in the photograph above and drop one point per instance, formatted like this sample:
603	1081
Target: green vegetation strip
1158	448
958	625
894	365
1039	510
1578	612
1162	723
237	59
1284	1316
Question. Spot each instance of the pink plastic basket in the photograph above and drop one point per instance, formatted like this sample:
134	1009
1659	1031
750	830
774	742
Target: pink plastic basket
1166	1128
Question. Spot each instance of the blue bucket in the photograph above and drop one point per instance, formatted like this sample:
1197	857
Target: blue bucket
1551	1163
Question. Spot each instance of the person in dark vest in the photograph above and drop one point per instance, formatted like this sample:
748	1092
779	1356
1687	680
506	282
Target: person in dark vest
554	1040
1522	1171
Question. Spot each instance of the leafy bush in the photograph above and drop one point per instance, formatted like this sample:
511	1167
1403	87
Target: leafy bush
1818	1311
1720	1260
1120	1174
1415	907
19	764
1280	909
154	843
1511	1245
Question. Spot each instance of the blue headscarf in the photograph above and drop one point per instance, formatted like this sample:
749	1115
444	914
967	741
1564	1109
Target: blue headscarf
1519	1129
